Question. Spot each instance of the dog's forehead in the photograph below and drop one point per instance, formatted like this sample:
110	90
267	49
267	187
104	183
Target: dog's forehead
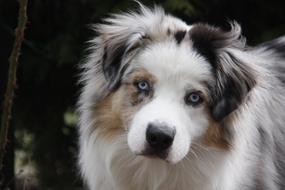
169	60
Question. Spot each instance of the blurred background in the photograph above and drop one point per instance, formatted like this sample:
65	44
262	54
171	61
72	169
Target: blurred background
42	146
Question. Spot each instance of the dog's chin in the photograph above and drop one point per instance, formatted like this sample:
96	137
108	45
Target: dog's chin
164	156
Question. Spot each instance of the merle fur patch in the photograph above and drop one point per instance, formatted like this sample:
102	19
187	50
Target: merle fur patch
277	45
114	61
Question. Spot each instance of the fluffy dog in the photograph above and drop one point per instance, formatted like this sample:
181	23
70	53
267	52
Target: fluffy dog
171	106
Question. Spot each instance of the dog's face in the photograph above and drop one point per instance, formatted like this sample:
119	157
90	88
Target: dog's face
170	82
168	86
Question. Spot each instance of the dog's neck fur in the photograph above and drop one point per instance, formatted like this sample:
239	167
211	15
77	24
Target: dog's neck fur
203	170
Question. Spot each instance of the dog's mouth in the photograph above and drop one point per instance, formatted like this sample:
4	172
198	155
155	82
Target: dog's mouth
151	153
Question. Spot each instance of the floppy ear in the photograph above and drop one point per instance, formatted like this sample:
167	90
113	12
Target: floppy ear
118	48
119	38
234	78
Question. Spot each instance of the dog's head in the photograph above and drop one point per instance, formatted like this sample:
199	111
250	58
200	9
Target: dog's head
166	84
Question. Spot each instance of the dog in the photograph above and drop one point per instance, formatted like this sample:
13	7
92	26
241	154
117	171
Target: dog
171	106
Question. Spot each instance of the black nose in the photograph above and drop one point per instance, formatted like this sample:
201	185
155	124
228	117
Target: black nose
159	137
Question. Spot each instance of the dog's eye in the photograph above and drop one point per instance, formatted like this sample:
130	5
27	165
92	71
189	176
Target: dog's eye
143	85
193	98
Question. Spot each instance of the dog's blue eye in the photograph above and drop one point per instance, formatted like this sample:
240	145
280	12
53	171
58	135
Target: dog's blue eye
193	98
143	85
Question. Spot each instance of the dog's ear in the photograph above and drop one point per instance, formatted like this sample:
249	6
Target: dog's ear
233	77
116	43
234	80
119	38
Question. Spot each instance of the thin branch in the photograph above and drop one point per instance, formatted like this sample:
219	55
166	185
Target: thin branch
11	85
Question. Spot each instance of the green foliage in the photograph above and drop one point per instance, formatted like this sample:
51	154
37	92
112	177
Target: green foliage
183	6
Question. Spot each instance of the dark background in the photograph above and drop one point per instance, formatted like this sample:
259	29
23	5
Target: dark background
42	145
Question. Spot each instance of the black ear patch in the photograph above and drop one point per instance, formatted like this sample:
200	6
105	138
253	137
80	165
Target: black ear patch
112	64
230	95
234	78
207	40
179	36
